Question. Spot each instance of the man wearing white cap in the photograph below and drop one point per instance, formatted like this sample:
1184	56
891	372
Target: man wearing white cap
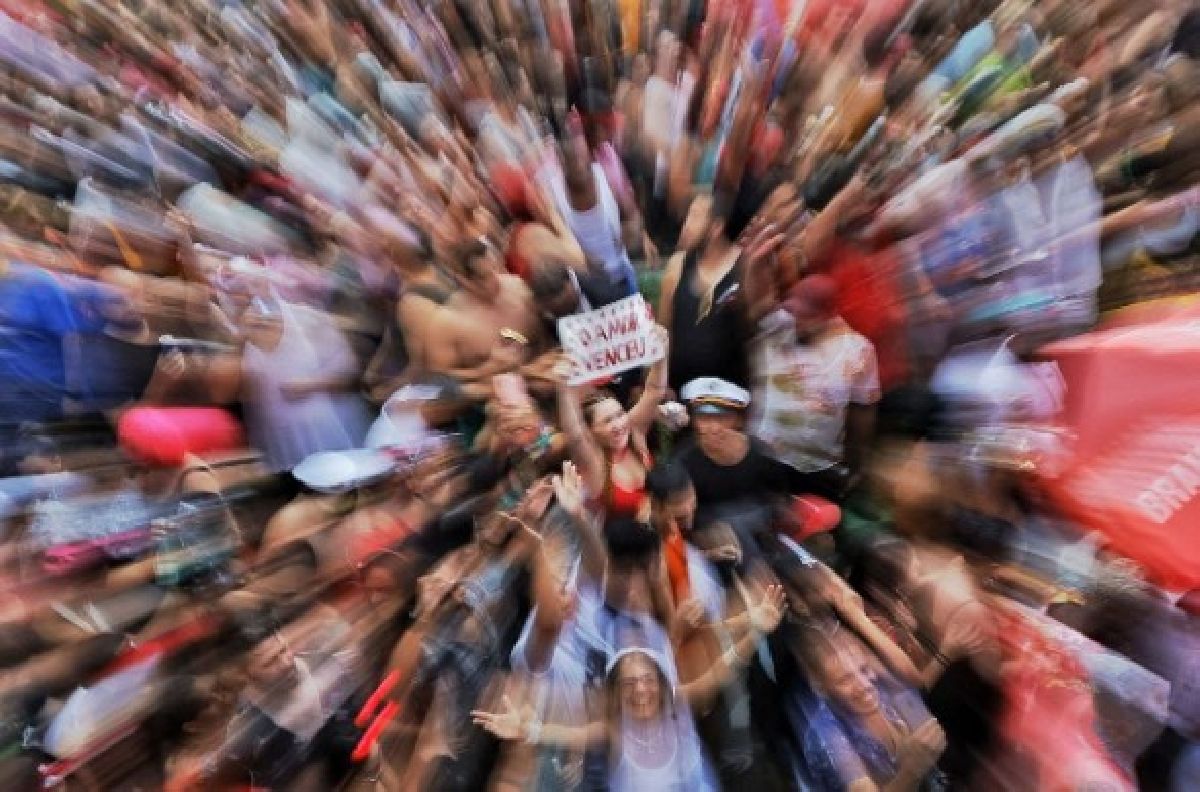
726	465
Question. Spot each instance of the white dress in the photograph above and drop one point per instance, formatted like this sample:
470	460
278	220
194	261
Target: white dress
288	430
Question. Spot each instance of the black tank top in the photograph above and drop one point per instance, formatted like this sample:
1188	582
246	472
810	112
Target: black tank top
709	338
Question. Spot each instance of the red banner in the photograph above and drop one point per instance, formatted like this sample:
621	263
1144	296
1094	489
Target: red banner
1135	473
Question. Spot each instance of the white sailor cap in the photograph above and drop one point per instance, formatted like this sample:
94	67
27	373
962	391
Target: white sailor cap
333	472
714	396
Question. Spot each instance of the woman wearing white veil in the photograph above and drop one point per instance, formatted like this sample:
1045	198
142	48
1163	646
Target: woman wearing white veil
648	729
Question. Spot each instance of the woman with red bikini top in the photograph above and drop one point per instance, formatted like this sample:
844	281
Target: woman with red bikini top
608	443
626	490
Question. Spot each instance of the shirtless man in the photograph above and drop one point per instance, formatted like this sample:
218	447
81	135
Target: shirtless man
489	326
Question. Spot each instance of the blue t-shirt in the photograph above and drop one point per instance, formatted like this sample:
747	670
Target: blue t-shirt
969	51
38	310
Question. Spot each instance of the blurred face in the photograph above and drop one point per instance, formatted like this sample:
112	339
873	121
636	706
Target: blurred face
610	425
379	584
667	55
714	433
262	328
480	276
519	426
641	68
849	680
272	660
782	205
807	322
640	687
564	303
678	510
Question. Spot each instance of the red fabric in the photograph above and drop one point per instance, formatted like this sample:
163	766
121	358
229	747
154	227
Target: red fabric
162	646
163	437
675	554
766	144
818	12
271	181
814	515
511	185
1049	720
514	262
625	501
870	303
1135	471
628	502
368	545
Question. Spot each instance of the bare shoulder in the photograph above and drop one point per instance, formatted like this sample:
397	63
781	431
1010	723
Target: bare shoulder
414	308
511	284
515	290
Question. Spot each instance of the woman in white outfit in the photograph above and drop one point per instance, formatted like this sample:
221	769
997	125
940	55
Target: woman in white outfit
648	729
299	376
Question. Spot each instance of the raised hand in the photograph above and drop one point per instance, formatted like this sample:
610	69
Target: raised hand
568	489
767	610
662	336
508	724
533	504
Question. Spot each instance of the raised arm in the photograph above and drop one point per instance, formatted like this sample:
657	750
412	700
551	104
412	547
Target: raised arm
819	235
584	451
670	282
540	242
549	238
512	723
641	417
849	607
568	491
764	615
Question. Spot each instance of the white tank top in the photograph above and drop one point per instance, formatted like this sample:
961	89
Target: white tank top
684	769
598	229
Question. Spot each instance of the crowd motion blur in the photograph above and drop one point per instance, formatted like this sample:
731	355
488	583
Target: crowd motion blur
586	395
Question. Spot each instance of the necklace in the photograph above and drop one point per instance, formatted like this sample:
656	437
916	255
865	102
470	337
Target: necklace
652	741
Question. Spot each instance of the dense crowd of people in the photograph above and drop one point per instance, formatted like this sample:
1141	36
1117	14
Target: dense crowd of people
302	486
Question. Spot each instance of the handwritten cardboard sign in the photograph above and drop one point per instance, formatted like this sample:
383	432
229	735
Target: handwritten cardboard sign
609	340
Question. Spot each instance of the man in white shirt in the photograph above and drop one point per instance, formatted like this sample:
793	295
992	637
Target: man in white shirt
817	382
